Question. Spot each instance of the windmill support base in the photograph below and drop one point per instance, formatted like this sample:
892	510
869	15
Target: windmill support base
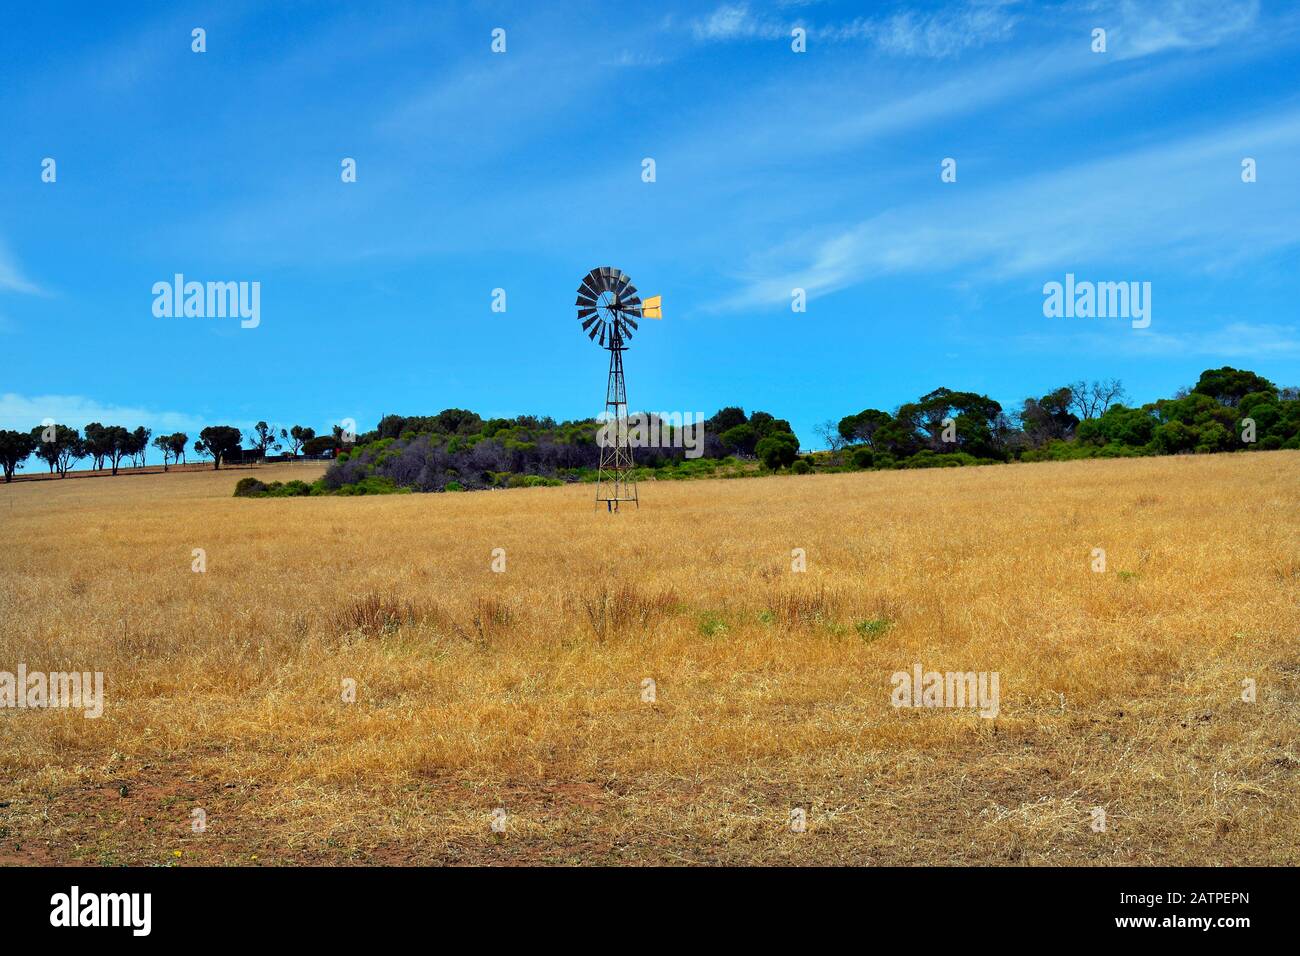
614	481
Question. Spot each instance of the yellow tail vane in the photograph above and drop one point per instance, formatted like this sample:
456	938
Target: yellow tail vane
650	308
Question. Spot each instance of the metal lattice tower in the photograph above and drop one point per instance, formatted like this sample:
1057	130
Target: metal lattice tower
608	307
614	481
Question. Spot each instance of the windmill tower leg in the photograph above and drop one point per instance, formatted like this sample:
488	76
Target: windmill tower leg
614	481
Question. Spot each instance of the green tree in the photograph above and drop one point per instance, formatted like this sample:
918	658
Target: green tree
777	450
119	445
58	446
138	445
1213	437
98	443
14	449
1048	418
297	436
726	419
1132	427
1173	437
1229	385
975	421
457	421
863	426
219	441
163	446
176	442
740	439
262	438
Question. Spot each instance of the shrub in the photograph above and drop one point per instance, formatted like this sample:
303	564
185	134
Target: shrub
373	485
801	467
863	458
777	450
290	489
249	488
712	624
872	628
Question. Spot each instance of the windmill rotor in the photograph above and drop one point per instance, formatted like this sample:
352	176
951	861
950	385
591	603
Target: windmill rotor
608	307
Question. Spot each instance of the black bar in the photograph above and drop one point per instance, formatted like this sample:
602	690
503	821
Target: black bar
910	907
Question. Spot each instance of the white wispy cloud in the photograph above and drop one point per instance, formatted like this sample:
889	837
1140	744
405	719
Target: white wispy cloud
1134	29
1178	203
24	412
1236	340
12	278
733	21
937	34
1137	29
1255	340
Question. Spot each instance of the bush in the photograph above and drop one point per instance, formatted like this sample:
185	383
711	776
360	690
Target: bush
249	488
801	467
863	458
872	628
252	488
373	485
290	489
777	450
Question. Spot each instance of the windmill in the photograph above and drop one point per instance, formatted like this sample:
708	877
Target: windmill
608	308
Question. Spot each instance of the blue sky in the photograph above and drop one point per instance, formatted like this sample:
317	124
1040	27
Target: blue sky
775	170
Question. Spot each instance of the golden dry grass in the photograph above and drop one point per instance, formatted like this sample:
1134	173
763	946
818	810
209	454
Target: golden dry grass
522	689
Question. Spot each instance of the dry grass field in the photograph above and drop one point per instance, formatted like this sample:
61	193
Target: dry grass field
523	689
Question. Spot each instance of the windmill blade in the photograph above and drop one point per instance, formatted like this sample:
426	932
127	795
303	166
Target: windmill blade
609	306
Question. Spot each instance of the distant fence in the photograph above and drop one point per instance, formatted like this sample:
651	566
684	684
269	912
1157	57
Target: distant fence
201	465
255	459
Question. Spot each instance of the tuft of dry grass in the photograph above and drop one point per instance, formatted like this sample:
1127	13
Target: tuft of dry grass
375	613
524	689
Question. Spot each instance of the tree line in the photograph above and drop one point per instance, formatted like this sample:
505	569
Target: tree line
106	447
1227	409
